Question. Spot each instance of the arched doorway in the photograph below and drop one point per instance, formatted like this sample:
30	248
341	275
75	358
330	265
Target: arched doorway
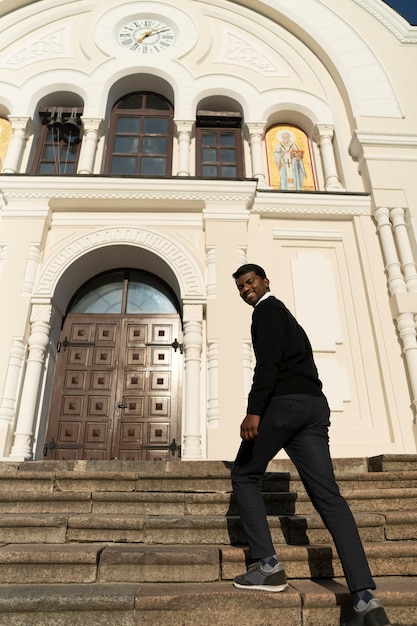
117	384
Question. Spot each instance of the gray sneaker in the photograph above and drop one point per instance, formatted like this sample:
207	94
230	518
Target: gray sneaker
372	615
258	578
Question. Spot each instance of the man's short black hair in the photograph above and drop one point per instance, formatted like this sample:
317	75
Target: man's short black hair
249	267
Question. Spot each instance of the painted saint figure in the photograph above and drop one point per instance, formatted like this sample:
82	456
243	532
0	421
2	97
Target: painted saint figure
289	160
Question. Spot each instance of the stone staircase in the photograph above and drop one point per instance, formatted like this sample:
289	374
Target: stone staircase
158	543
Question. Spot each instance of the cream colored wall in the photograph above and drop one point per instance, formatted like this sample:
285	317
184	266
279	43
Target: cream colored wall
345	64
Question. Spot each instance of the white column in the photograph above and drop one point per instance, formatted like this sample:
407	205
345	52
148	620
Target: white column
10	392
193	341
402	239
242	255
324	137
38	342
247	358
396	282
213	384
3	253
32	265
91	135
407	330
20	129
211	272
256	135
398	286
184	132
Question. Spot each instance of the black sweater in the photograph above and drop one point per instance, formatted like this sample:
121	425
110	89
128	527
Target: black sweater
284	358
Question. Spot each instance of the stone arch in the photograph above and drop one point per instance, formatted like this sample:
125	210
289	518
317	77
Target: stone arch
370	91
190	279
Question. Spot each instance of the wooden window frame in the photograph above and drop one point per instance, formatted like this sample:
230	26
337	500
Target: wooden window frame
142	113
218	122
49	114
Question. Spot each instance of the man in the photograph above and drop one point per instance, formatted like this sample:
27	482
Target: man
288	410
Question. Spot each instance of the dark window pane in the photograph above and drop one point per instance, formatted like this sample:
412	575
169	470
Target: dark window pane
123	165
209	170
209	139
155	145
49	137
227	139
128	125
49	153
67	168
126	144
153	166
228	170
68	154
155	102
156	126
209	154
133	101
227	156
47	168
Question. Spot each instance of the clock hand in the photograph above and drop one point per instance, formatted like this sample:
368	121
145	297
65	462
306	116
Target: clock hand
151	32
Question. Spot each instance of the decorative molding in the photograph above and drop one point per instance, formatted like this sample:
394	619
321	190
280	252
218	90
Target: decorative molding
54	44
394	22
43	188
192	285
308	235
245	52
311	204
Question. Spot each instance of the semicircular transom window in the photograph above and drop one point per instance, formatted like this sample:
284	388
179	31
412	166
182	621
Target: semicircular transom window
130	292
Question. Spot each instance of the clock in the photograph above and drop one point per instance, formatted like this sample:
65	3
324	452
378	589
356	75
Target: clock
146	36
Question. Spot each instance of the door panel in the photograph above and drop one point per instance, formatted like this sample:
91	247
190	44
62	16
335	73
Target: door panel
116	391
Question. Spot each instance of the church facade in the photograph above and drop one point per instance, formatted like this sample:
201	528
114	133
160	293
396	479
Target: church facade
149	148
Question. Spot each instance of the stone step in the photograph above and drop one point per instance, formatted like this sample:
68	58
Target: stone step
192	529
200	503
187	604
321	560
38	484
133	563
393	462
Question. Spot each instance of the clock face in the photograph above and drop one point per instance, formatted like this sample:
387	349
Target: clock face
146	36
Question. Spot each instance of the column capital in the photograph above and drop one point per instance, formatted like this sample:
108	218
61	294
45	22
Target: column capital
184	126
323	130
193	313
92	124
20	123
256	128
41	313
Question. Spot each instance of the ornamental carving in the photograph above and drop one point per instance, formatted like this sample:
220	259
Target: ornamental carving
246	53
51	45
190	281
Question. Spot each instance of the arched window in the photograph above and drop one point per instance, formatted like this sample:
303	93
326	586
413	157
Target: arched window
219	152
140	136
289	159
129	292
59	140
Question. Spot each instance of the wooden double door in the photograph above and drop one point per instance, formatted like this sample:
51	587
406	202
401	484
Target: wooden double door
117	389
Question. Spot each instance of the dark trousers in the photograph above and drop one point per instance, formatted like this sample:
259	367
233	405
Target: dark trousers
298	424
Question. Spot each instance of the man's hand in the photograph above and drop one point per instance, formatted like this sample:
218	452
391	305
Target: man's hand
249	426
